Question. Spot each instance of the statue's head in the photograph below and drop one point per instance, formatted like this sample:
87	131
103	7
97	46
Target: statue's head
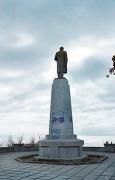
61	48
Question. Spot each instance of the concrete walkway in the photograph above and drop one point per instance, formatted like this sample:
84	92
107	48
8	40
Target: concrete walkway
13	170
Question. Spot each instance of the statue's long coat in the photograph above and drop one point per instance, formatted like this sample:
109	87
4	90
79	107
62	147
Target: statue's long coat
62	59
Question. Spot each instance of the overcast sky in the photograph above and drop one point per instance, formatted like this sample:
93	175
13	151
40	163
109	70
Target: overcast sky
31	31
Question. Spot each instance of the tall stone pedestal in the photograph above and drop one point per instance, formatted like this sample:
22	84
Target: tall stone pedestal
61	143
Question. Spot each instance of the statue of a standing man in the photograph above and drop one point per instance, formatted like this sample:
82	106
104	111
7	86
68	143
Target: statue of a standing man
62	59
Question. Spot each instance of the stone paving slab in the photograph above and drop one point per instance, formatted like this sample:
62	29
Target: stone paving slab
10	169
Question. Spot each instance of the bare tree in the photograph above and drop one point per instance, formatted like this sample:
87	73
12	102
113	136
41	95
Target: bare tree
32	140
10	141
1	145
20	139
39	137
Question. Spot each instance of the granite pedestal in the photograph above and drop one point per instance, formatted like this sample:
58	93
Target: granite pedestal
61	143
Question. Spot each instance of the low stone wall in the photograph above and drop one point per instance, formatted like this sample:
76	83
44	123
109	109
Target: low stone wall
6	149
26	148
110	148
19	148
97	149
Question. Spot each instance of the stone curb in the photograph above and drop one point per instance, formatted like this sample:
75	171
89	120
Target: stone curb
58	162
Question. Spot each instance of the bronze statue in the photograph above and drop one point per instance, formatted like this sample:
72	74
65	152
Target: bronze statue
111	70
62	59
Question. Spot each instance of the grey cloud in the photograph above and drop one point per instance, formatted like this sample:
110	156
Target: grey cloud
101	131
19	99
92	69
54	26
108	98
63	23
25	58
53	23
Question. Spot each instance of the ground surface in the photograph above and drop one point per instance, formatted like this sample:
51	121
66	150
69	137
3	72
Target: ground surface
13	170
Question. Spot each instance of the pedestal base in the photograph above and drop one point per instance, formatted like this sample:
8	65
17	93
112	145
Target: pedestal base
60	149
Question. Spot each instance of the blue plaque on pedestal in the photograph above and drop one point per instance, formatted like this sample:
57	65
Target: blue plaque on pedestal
57	117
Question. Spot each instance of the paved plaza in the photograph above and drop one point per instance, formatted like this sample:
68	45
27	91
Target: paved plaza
10	169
